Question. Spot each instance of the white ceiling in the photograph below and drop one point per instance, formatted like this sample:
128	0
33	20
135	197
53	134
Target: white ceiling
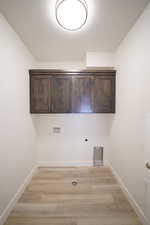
34	21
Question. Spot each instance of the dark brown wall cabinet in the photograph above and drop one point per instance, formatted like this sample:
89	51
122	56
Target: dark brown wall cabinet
82	95
104	94
61	94
40	94
72	92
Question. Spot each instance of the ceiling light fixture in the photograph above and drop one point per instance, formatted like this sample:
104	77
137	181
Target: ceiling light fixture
71	14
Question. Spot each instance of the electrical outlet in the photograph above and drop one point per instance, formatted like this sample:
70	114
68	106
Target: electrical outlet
56	130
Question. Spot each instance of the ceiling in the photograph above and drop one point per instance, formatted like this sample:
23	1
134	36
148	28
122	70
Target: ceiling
34	21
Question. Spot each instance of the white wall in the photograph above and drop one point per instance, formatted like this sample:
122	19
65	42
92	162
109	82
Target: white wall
104	60
17	134
133	104
69	147
63	65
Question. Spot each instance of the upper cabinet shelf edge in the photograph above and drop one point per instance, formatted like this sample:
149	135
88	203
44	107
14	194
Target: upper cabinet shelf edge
49	72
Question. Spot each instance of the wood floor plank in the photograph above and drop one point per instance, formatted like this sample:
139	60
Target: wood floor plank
51	199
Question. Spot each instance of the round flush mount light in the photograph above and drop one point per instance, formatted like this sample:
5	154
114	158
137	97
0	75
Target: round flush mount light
71	14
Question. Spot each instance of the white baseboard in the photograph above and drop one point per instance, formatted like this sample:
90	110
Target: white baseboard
11	205
130	198
66	163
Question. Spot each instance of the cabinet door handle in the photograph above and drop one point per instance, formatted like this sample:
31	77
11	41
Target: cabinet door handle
148	165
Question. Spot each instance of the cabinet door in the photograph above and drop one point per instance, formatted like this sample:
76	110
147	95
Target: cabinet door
82	95
40	94
104	94
61	94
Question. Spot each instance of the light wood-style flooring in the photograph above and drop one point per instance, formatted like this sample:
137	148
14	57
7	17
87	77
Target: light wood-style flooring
51	199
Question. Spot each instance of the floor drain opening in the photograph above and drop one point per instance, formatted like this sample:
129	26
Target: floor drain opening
74	183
